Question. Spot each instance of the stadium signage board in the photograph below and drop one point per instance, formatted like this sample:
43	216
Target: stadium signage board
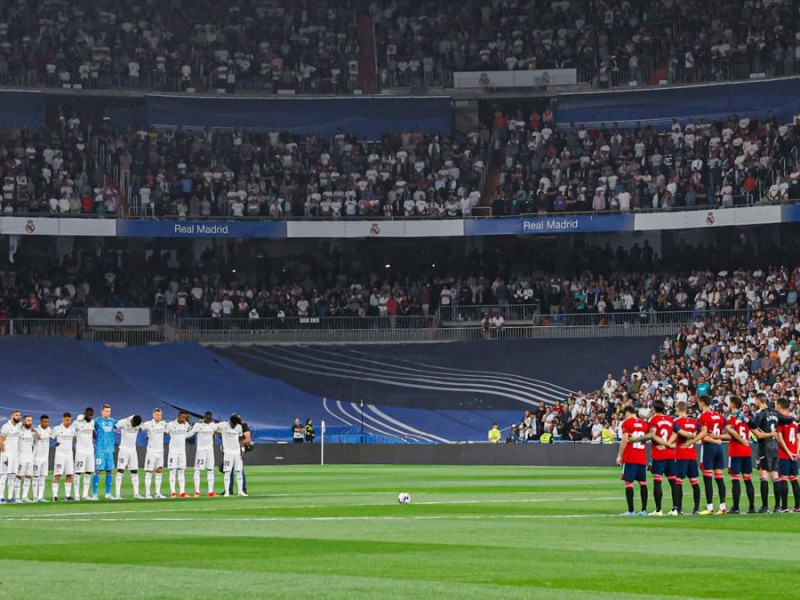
549	225
202	229
514	79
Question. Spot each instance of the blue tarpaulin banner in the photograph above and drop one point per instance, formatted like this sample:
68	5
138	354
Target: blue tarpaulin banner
23	110
202	229
549	225
659	106
366	117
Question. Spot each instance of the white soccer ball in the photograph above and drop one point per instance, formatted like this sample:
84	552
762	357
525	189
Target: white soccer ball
404	498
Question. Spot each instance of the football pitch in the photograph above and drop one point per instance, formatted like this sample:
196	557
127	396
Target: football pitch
339	532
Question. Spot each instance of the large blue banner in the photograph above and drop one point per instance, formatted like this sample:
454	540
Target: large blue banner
790	213
23	110
366	117
202	229
549	225
658	107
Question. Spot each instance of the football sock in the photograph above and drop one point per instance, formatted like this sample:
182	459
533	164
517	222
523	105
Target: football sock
87	483
796	493
197	481
678	501
119	483
239	481
643	495
210	479
54	489
736	492
135	480
629	497
227	480
707	482
159	477
26	488
95	483
721	489
658	494
3	480
67	489
181	481
751	493
673	486
172	475
148	482
776	491
696	495
109	483
764	492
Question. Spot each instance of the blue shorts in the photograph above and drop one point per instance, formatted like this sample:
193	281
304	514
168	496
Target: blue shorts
738	465
787	467
712	458
631	473
104	461
663	467
686	468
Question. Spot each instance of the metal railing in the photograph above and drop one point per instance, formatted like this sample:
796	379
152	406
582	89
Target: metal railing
74	327
474	313
306	323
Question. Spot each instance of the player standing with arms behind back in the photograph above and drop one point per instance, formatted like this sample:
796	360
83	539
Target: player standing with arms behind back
661	433
154	457
64	459
686	456
84	453
176	461
204	452
740	456
764	425
632	458
712	426
41	457
787	458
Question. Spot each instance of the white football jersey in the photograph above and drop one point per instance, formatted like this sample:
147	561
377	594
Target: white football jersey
177	436
128	434
41	448
205	435
11	432
26	440
231	437
84	434
64	437
155	435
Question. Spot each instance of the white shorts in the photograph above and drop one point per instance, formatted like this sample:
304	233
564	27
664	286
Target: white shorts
63	464
153	461
84	462
177	461
204	459
9	465
40	467
127	460
25	468
231	462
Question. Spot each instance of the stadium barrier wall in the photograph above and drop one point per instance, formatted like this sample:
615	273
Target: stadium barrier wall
556	455
365	117
657	107
401	228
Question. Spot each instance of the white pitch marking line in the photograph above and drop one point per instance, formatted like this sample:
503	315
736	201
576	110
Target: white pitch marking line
206	519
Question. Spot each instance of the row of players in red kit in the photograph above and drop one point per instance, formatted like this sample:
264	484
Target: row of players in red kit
674	442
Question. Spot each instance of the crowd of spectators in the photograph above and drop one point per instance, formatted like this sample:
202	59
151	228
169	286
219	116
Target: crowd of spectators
245	283
274	174
312	46
54	170
739	160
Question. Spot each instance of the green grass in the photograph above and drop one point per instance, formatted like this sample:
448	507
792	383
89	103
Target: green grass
338	532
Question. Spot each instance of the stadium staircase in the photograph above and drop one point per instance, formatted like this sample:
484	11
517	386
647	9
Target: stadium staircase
367	59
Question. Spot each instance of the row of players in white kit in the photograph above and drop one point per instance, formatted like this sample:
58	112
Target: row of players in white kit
25	449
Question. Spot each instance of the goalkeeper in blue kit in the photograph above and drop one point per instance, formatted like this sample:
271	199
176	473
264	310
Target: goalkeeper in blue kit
105	442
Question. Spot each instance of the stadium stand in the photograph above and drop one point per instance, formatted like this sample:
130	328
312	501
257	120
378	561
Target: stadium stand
68	168
334	47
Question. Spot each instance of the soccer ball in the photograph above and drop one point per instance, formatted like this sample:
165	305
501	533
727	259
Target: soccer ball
404	498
